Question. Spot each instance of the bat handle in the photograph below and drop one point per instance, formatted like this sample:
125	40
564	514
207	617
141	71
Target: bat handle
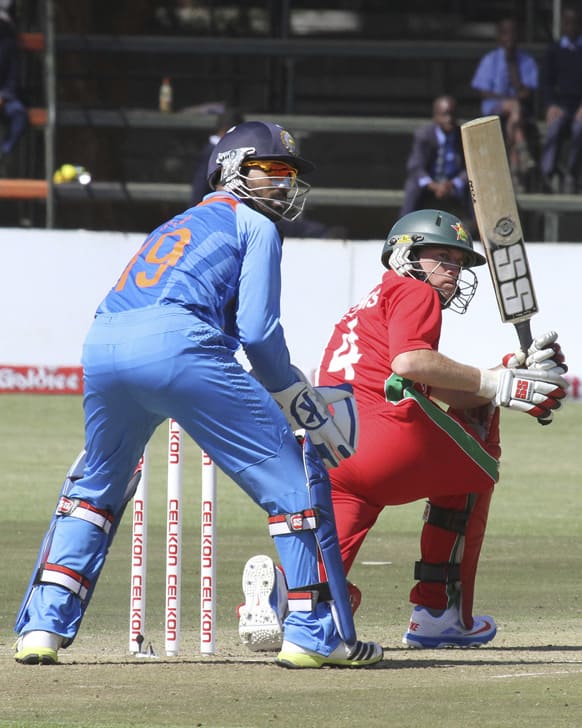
523	329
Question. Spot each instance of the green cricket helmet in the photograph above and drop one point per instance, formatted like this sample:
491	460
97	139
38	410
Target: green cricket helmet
423	228
431	227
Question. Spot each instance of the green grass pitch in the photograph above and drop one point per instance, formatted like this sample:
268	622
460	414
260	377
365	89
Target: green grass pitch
530	580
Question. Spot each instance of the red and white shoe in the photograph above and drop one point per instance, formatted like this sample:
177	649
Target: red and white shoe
427	631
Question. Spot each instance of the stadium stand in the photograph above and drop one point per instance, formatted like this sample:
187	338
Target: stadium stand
353	95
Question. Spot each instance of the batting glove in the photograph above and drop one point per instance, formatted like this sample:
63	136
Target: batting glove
538	393
306	408
544	354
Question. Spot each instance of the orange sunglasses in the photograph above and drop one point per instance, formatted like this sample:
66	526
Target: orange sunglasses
272	168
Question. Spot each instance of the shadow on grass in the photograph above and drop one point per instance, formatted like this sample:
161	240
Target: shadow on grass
394	659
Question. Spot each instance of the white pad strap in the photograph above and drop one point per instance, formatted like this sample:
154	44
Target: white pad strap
307	520
62	576
86	512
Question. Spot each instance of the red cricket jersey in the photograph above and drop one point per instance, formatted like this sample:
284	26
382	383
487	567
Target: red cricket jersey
409	448
398	315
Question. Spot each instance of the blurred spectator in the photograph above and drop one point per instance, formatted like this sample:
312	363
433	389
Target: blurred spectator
436	175
507	79
13	113
562	85
303	227
230	117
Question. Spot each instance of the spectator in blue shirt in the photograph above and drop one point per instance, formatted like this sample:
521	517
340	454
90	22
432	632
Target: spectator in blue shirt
13	113
562	84
507	79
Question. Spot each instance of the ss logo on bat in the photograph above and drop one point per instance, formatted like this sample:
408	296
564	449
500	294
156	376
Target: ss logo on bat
513	276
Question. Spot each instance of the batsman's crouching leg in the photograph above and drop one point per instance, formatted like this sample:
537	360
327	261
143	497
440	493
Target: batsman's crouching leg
484	421
444	595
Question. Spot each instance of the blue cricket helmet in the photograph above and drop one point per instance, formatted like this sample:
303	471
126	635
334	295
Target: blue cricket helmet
258	140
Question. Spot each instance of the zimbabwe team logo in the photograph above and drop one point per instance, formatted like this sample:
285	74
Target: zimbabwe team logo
461	232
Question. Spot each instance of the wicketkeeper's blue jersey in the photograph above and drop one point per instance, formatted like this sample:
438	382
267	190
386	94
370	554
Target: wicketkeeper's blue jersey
215	260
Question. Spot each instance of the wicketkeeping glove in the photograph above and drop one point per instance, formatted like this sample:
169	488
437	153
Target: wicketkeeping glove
544	354
306	408
536	392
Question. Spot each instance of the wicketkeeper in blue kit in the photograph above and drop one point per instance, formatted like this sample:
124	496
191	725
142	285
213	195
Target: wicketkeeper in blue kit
162	345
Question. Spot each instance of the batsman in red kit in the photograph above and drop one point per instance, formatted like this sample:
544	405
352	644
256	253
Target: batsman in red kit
428	425
410	447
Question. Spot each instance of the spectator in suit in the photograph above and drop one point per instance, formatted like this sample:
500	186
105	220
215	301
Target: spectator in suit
507	79
436	175
13	113
562	84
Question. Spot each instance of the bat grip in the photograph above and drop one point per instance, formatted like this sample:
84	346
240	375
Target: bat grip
523	329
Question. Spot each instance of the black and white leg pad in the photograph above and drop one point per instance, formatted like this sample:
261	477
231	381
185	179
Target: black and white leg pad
446	518
446	572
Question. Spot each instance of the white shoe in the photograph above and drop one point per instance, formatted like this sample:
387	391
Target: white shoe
362	654
38	648
433	632
261	617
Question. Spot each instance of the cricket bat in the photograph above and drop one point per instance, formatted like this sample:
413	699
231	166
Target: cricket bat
498	222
